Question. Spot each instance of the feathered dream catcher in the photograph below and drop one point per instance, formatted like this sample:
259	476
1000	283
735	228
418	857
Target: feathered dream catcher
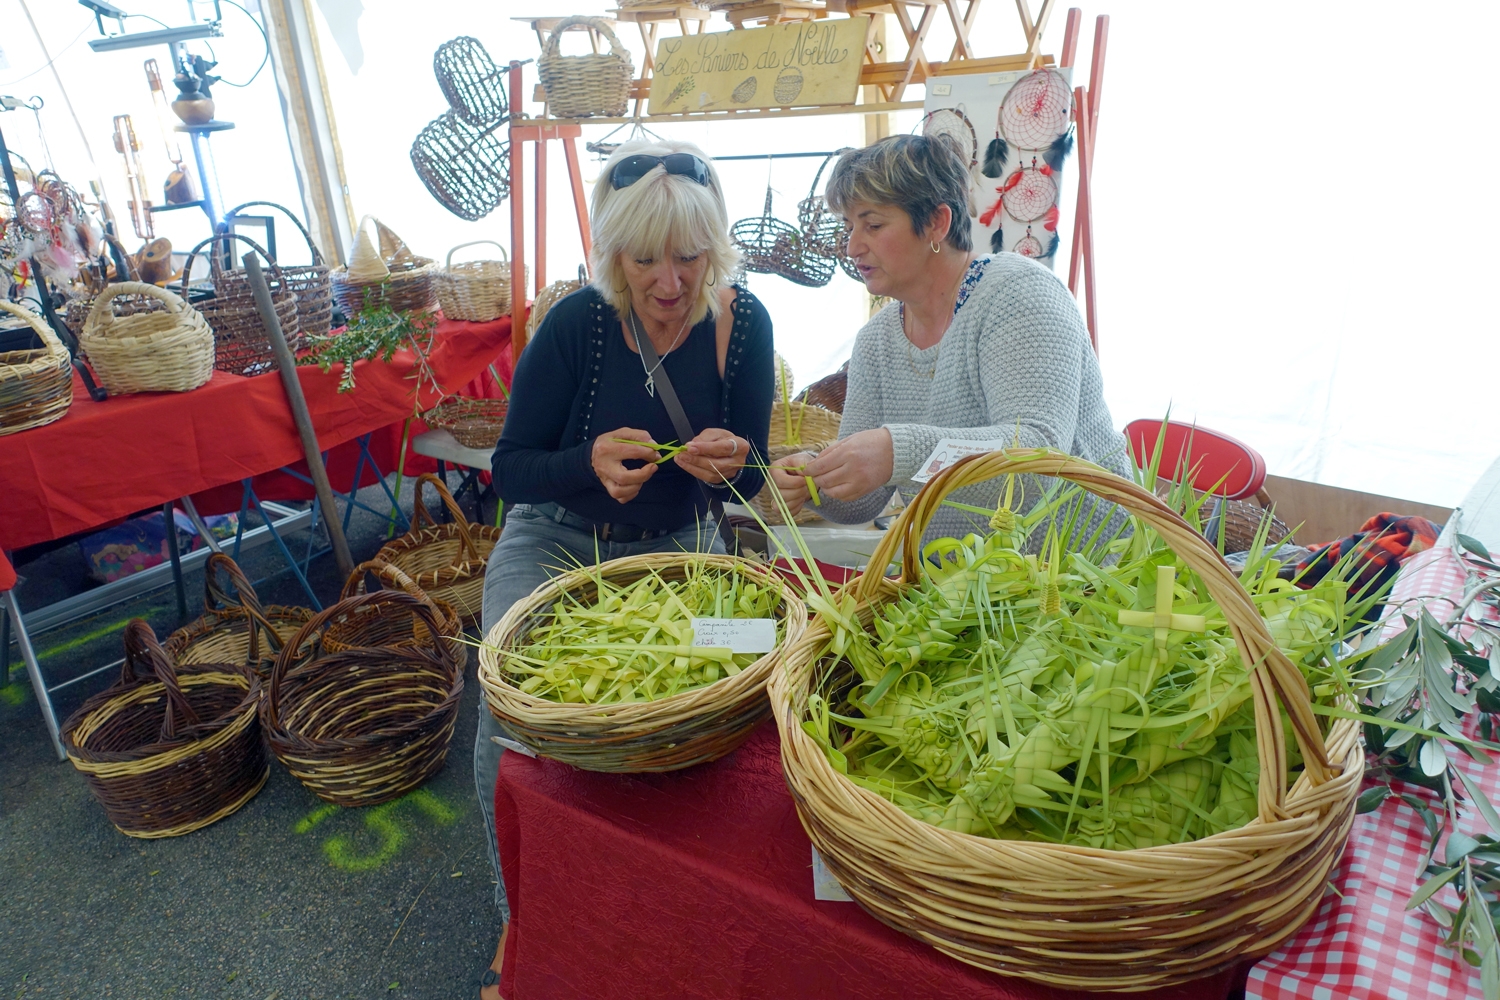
49	224
953	124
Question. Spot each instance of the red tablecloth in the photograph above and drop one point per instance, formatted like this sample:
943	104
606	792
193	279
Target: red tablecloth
699	884
106	460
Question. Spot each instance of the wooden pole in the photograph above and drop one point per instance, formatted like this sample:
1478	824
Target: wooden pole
293	386
517	222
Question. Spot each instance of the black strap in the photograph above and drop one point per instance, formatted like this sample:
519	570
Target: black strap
680	422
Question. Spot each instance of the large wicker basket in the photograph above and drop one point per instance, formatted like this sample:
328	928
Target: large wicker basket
1076	917
812	428
679	731
587	85
404	282
446	560
375	625
309	282
367	725
36	386
234	629
166	750
169	349
476	290
241	344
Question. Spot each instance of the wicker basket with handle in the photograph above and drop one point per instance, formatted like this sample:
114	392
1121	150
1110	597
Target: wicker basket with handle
584	86
309	282
446	560
236	629
36	385
168	349
378	626
364	725
1078	917
168	750
812	428
679	731
392	276
475	290
241	344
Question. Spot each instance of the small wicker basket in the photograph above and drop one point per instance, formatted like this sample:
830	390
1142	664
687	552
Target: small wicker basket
1077	917
770	246
377	626
308	281
169	750
363	726
813	428
446	560
234	629
241	344
36	386
828	391
474	423
587	85
476	290
395	277
685	729
168	349
545	300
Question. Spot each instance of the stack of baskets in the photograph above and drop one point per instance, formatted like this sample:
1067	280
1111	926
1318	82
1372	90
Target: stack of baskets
234	629
447	561
241	344
794	428
168	348
1077	917
36	385
309	282
366	724
474	423
168	750
391	276
770	246
476	290
587	85
690	728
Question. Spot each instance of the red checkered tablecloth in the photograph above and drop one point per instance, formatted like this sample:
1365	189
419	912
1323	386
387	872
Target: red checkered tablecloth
1362	943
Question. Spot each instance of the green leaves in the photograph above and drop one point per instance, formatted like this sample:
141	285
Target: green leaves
1431	886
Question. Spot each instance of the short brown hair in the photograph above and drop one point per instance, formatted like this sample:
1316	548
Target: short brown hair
916	173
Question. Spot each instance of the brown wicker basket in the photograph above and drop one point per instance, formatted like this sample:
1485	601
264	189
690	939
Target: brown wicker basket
587	85
473	85
828	391
377	626
474	423
822	227
36	385
367	725
1075	917
167	349
234	629
446	560
465	167
813	428
685	729
545	300
241	344
476	290
770	246
166	750
406	287
308	281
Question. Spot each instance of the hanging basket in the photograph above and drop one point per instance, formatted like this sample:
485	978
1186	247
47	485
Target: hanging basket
234	629
692	727
814	428
36	386
822	227
363	726
446	560
168	349
474	423
770	246
166	750
465	167
587	85
1076	917
476	290
309	282
395	276
378	626
241	344
473	85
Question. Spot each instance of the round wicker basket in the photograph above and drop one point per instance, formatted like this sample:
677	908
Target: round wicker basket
587	85
36	386
404	282
363	726
545	300
168	349
170	750
812	428
685	729
446	560
474	423
1077	917
241	344
476	290
309	282
234	629
375	625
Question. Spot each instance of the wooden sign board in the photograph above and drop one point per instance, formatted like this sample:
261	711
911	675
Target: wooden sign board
803	64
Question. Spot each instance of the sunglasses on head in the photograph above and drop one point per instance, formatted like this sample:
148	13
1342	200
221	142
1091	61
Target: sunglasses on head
633	168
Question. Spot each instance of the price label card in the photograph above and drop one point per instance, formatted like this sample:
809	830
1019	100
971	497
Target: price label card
741	635
513	745
949	451
825	886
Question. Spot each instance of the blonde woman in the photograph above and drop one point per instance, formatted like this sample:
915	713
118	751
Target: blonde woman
577	490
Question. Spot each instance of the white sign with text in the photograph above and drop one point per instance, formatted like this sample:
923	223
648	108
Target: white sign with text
950	450
741	635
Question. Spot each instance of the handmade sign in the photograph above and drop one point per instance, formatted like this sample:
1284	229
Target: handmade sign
807	63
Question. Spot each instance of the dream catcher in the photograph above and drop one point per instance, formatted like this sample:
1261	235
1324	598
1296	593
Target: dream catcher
1029	192
1033	118
1035	110
955	125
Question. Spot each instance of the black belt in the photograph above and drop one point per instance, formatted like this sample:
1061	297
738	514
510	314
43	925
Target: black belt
607	532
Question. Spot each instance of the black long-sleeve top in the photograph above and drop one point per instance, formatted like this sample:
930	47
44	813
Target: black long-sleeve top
577	379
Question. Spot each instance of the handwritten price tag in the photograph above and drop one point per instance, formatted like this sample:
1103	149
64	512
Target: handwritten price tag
949	451
741	635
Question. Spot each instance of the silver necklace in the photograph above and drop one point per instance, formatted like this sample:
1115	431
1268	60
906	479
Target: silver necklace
635	328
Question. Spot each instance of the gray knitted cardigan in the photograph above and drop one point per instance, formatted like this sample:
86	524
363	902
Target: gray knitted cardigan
1016	362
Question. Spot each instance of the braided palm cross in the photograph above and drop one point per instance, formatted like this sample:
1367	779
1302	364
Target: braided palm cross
1162	619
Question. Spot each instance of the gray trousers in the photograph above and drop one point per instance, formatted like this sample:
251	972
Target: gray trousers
532	550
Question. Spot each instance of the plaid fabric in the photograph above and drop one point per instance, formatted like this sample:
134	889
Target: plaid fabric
1361	943
1379	547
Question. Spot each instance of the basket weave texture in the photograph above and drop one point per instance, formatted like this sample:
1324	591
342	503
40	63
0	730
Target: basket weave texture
309	282
234	629
167	349
474	423
446	560
587	85
817	429
36	386
689	728
404	282
769	246
465	167
828	391
241	344
166	750
1078	917
378	626
365	725
545	300
475	290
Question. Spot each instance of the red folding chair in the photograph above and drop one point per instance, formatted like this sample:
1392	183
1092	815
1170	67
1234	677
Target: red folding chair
1216	463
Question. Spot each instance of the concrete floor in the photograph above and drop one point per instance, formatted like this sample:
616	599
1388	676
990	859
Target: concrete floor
288	899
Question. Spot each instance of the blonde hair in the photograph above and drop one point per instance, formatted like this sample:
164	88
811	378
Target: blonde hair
655	212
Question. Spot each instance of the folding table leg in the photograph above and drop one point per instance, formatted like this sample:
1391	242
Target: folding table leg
169	522
4	650
286	553
33	670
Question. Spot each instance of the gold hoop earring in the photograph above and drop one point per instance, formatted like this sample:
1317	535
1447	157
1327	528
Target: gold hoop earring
935	247
621	291
711	284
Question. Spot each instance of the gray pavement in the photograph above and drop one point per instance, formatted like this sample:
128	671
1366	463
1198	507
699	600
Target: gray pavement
288	899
